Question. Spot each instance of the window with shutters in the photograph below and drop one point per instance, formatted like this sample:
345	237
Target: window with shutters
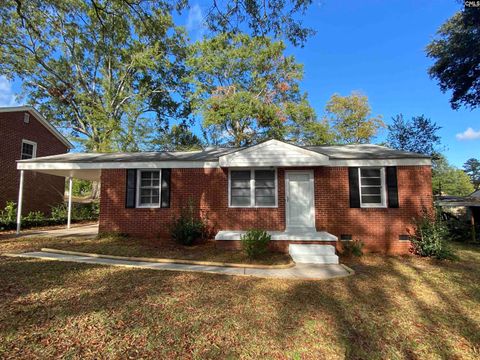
148	188
372	187
29	149
253	188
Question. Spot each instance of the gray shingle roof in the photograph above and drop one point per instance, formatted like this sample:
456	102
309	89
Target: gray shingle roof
333	152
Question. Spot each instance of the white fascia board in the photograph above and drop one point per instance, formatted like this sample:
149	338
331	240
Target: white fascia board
242	158
42	121
381	162
116	165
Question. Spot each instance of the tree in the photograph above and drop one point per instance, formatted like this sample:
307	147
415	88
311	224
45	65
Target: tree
456	52
417	135
277	18
448	180
351	120
179	138
246	89
472	168
107	71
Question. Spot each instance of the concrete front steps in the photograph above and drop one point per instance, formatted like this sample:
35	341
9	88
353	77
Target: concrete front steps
313	254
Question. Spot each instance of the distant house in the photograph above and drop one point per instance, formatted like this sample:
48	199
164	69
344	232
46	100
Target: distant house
25	134
315	195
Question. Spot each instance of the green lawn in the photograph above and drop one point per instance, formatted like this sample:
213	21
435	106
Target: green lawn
394	307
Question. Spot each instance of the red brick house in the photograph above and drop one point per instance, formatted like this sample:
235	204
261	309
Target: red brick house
25	134
310	194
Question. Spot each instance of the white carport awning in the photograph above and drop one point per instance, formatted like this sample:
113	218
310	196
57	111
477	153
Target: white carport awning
65	169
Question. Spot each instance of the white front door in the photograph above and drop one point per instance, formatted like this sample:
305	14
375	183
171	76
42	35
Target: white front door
300	211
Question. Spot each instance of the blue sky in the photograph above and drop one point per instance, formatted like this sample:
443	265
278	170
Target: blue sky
376	47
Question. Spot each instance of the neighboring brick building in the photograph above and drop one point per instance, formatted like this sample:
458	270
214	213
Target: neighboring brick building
24	133
315	195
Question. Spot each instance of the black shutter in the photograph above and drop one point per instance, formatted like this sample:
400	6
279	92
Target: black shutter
130	188
392	187
353	187
166	179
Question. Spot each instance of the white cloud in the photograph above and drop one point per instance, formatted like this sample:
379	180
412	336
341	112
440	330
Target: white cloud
195	22
469	134
7	96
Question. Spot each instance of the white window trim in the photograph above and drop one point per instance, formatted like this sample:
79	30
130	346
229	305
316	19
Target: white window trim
252	188
383	191
34	152
138	187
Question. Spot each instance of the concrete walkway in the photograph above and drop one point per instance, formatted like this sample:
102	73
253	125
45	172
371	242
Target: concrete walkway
299	271
88	231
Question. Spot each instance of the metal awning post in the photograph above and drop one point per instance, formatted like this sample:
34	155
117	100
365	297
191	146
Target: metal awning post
19	204
69	216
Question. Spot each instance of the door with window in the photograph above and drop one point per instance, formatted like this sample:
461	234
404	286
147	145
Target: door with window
300	211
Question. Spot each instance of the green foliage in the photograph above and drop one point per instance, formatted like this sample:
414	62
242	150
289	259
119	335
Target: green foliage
87	211
418	135
429	237
114	235
472	168
351	120
268	17
9	214
457	58
448	180
255	243
35	216
81	188
353	247
98	69
179	138
246	89
459	230
188	228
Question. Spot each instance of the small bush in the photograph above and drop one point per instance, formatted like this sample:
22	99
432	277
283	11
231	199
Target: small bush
87	211
35	216
255	243
9	213
188	228
353	247
429	237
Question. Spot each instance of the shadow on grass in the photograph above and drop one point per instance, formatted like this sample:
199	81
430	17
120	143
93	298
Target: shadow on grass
401	307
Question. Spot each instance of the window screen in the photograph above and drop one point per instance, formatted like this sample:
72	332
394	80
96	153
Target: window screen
149	188
240	188
264	187
371	183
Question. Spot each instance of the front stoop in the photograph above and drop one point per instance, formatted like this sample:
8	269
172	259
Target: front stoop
313	254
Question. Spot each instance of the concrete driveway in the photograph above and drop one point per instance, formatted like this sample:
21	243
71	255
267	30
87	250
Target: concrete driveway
85	231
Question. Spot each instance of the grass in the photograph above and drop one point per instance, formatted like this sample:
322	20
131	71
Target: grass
394	307
120	246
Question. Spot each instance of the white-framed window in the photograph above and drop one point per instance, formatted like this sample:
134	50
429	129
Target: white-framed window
148	188
372	187
252	188
29	149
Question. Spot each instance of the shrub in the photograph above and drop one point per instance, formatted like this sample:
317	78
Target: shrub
429	237
354	247
34	216
255	243
187	228
9	213
87	211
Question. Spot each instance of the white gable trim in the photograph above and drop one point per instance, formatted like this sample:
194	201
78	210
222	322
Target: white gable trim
42	121
273	153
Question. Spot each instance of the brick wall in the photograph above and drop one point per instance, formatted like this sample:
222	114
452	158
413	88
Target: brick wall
378	228
40	191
